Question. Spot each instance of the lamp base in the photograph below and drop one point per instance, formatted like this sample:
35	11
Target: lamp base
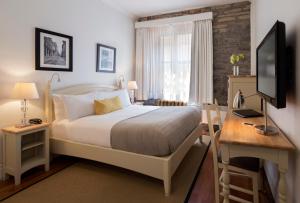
23	123
270	130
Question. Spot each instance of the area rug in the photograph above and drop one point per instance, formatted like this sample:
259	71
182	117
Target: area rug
89	181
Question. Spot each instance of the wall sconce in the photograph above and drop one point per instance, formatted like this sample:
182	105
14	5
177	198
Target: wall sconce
53	76
121	82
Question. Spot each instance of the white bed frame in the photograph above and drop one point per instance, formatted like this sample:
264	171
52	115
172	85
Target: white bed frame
158	167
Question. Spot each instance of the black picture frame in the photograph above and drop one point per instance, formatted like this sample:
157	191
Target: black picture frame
49	58
106	60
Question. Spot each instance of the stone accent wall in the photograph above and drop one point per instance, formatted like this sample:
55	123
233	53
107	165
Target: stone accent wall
231	34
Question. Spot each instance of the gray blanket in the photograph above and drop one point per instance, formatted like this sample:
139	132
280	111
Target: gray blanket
158	132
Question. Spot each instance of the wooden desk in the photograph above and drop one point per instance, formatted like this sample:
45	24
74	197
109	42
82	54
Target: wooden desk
239	140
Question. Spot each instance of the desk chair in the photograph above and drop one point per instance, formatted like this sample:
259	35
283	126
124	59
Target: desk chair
239	166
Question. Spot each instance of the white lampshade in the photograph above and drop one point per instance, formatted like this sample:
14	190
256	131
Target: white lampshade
25	91
132	85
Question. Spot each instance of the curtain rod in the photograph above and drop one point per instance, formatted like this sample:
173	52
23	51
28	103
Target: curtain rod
178	19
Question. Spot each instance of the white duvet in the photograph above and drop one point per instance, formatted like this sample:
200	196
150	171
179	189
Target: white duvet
95	129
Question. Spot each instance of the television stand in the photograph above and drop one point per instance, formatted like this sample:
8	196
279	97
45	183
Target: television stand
266	129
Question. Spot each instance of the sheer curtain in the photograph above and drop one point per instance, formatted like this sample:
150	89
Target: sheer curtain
149	75
201	86
163	61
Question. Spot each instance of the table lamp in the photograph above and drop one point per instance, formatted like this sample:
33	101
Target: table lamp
132	85
24	91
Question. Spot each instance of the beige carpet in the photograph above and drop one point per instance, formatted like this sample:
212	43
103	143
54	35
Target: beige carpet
88	181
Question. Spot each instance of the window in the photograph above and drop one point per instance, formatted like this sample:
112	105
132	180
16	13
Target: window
176	65
163	61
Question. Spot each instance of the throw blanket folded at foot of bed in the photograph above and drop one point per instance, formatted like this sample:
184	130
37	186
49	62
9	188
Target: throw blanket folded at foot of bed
158	132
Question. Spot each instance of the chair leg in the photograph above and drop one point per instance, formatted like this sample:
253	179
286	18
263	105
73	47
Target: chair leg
217	185
255	188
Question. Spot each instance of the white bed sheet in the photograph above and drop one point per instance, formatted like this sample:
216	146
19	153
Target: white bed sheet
95	129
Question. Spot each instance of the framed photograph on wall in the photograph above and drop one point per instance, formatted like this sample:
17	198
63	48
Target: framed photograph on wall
53	51
106	59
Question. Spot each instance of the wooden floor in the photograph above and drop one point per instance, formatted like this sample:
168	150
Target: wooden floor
204	192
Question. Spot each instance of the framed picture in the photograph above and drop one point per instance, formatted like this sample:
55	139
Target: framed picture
53	51
106	59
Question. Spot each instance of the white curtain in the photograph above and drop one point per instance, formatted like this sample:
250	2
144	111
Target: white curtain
163	61
201	83
149	76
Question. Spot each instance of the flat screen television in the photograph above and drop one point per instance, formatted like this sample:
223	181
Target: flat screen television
271	66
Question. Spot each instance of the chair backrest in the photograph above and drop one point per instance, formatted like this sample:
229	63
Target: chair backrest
214	119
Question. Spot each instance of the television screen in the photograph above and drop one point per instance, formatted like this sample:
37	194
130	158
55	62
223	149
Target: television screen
271	66
266	71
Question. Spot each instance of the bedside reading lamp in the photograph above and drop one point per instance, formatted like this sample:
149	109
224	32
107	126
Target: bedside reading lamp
53	76
132	86
121	81
24	91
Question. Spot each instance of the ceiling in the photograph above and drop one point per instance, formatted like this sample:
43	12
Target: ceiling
141	8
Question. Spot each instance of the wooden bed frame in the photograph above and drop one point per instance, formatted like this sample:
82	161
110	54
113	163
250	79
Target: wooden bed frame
158	167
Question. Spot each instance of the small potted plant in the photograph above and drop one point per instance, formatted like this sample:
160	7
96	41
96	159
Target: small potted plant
234	60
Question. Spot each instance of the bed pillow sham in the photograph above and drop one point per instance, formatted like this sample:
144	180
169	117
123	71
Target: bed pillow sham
77	106
122	94
107	105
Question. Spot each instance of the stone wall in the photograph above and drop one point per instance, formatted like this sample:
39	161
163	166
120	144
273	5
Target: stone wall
231	34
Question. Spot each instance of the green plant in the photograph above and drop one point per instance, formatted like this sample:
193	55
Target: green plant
235	58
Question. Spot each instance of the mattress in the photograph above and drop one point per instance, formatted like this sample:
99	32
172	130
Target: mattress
95	129
149	130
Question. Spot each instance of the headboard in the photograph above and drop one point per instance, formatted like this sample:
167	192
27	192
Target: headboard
72	90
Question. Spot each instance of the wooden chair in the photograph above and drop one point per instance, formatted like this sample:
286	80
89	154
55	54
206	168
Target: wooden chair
238	166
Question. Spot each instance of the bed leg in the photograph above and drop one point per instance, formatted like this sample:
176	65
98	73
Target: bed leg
167	186
167	179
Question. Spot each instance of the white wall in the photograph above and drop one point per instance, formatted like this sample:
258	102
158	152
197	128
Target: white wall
89	22
288	119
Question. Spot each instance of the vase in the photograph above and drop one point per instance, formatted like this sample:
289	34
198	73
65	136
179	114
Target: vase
236	70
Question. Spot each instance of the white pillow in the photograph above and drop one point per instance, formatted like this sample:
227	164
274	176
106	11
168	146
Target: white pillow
59	109
77	106
122	94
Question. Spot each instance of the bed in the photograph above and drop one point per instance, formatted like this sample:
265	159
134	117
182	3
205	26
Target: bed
78	138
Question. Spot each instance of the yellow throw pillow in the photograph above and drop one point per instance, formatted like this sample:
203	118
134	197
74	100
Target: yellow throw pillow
107	105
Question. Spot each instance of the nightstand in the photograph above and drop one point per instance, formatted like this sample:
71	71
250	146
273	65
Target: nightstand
24	149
